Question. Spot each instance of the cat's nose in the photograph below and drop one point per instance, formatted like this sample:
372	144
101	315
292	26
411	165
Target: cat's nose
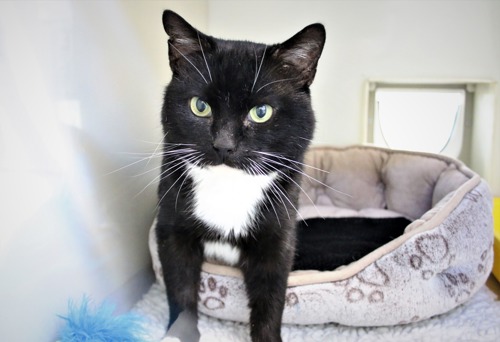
224	144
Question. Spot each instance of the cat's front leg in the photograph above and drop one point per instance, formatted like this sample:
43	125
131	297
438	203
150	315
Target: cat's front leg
181	257
184	329
266	275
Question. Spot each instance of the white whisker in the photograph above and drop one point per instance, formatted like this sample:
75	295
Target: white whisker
275	190
259	171
169	170
305	174
291	161
194	66
157	147
283	80
203	53
260	66
256	66
270	200
160	166
167	149
306	139
147	171
196	161
149	154
283	192
280	198
180	165
127	166
297	184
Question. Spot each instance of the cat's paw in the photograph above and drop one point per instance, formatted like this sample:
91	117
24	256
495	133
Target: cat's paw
170	339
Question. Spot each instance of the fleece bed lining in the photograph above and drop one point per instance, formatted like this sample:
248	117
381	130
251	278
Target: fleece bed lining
477	320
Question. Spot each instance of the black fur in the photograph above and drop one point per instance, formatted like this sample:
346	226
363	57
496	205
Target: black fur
223	74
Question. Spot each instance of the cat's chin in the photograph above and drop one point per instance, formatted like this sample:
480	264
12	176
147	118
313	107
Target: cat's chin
231	166
227	163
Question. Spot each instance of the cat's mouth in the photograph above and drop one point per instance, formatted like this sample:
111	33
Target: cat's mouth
227	161
233	159
226	155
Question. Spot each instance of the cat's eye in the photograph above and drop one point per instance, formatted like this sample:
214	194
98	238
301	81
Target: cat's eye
199	107
260	114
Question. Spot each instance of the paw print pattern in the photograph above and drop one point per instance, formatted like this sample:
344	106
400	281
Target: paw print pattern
474	196
368	285
433	247
485	259
430	250
459	286
291	299
213	295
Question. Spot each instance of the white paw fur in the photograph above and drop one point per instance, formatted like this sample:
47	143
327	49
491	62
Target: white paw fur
170	339
222	251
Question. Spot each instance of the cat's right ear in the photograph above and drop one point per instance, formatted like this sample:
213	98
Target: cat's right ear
184	39
302	52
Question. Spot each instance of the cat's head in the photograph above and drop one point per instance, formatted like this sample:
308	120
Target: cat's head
233	102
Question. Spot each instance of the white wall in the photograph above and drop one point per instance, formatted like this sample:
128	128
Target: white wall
397	40
81	85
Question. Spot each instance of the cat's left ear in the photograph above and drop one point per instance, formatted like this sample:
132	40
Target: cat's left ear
302	51
184	38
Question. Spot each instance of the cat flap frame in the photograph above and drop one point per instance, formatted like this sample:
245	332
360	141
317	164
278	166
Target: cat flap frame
442	259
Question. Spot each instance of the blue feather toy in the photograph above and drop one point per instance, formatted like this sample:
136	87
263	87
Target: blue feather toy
84	324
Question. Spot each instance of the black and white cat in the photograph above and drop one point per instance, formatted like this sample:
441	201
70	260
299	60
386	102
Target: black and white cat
237	119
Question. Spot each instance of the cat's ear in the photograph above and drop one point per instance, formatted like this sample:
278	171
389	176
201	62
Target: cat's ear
302	51
184	39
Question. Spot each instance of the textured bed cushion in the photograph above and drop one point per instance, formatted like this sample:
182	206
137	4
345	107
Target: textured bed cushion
405	183
444	256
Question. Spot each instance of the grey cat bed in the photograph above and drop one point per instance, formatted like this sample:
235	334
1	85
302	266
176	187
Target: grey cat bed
444	256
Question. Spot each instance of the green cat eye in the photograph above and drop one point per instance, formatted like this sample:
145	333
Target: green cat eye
260	114
199	107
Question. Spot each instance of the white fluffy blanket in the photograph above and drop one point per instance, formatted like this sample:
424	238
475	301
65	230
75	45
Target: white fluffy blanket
476	320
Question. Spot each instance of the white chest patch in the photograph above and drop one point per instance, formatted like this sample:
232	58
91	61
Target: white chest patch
226	198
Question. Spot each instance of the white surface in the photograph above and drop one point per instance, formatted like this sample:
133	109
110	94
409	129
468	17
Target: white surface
478	320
